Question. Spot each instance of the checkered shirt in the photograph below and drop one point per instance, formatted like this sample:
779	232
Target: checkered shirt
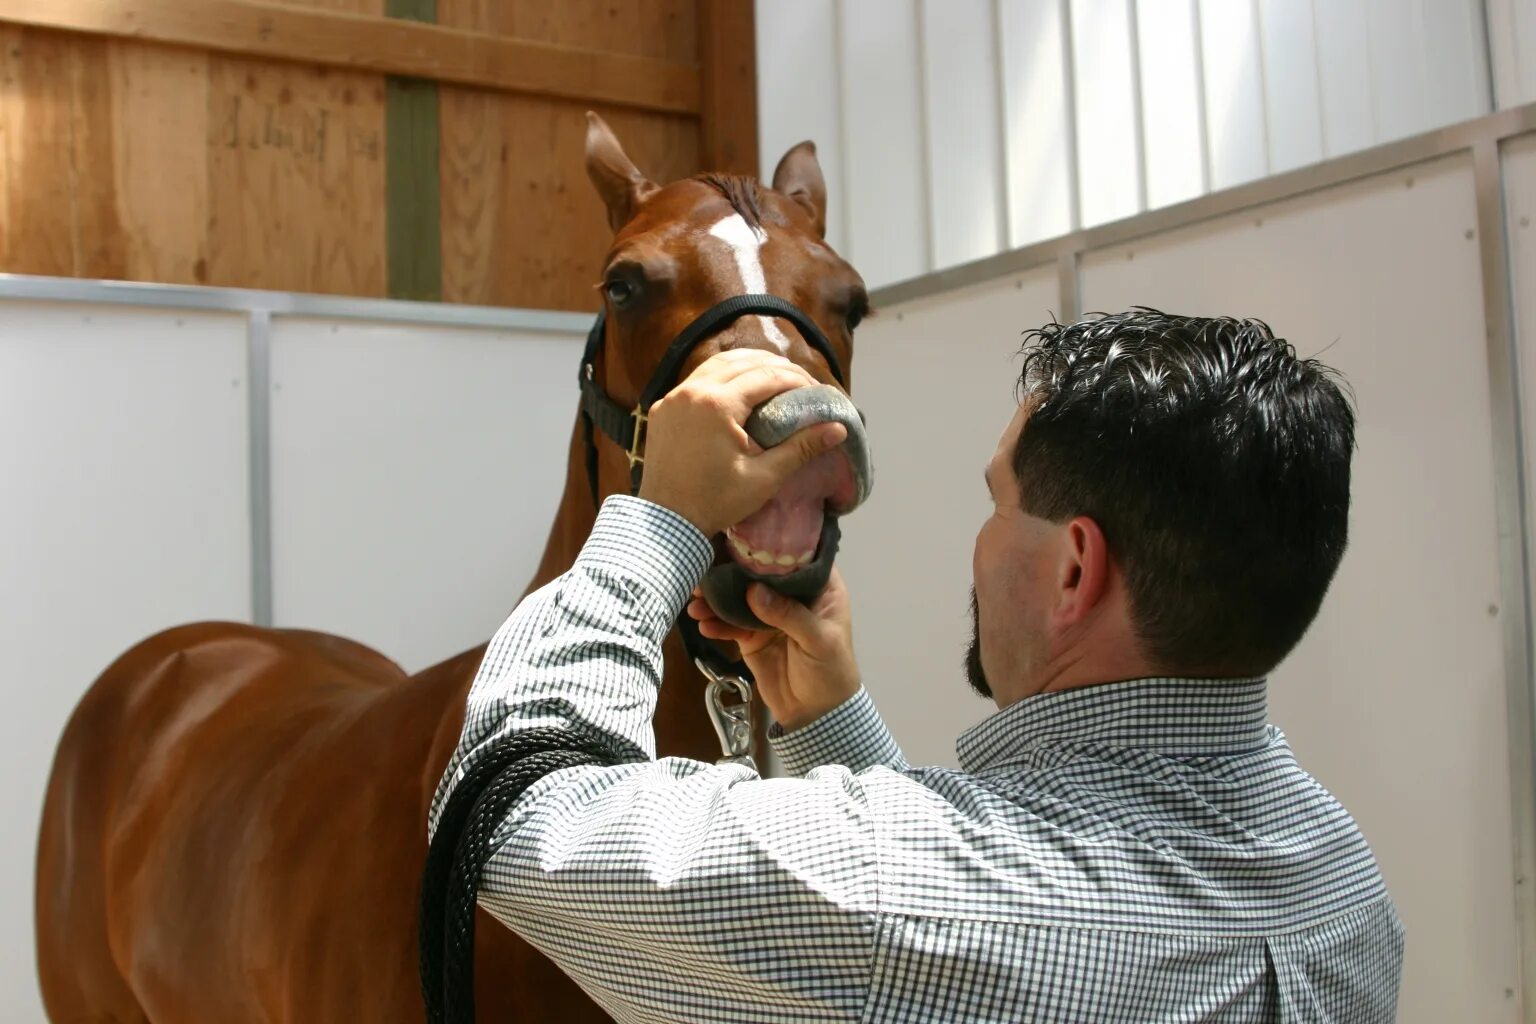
1137	851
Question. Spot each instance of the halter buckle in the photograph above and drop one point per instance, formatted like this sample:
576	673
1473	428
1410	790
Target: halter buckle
732	722
637	445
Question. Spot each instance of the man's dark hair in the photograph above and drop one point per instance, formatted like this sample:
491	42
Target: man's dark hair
1217	465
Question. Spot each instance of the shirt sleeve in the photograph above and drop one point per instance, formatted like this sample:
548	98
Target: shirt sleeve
672	889
852	735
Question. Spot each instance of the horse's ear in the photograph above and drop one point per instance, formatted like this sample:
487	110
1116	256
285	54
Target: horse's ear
798	176
617	179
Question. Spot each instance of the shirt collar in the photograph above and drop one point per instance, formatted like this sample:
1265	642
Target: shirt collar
1173	717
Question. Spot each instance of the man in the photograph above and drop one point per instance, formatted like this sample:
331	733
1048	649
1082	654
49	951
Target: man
1126	839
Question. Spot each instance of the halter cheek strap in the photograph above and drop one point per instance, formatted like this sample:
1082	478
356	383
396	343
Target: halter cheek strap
626	427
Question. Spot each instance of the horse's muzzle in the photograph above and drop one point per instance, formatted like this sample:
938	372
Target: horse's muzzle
772	423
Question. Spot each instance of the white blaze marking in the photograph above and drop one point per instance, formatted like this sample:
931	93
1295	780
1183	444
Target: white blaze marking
746	244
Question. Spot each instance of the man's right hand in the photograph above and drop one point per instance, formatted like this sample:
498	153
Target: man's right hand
804	665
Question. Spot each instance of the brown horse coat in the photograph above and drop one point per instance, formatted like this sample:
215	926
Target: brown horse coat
234	827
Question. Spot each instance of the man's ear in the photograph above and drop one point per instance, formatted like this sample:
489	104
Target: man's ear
617	180
1083	571
799	177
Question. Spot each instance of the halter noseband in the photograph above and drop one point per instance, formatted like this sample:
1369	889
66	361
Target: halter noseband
626	427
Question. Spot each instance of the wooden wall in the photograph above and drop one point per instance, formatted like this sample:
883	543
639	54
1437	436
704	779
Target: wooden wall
209	162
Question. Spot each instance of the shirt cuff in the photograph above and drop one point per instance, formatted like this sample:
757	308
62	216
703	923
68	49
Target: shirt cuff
652	548
852	734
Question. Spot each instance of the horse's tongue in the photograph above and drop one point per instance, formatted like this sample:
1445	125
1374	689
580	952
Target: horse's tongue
790	524
783	527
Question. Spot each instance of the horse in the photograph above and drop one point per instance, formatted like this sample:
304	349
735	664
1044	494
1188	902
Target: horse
235	822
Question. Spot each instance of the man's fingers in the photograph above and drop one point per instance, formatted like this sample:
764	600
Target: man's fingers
754	385
785	614
782	460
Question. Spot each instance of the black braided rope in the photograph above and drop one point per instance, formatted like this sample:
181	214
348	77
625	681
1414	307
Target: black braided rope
461	847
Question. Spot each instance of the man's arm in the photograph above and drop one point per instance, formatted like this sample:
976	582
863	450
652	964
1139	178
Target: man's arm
852	735
662	884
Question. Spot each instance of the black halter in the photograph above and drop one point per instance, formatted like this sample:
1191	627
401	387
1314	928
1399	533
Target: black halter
626	427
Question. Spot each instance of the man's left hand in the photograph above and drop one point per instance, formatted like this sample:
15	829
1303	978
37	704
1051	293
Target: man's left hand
699	461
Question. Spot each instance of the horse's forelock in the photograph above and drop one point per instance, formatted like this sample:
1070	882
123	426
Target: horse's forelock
743	193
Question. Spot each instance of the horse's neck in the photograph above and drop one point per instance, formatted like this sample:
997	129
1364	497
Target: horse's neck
573	518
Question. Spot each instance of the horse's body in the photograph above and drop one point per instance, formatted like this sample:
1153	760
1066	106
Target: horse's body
234	828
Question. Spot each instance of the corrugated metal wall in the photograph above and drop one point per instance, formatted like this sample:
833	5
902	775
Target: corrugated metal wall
953	130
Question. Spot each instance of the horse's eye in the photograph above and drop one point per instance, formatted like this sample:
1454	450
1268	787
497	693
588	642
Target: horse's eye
620	292
857	311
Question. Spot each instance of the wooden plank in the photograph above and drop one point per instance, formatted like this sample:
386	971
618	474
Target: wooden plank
413	216
728	73
296	178
665	29
392	46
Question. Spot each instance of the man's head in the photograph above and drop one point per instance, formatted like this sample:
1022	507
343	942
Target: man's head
1172	498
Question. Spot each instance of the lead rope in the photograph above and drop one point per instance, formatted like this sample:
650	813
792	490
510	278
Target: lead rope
462	845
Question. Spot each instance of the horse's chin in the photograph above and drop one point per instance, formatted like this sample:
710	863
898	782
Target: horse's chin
780	546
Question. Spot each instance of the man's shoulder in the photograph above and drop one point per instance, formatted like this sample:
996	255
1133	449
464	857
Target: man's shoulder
1069	836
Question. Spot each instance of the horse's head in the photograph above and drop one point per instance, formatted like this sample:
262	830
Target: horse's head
679	250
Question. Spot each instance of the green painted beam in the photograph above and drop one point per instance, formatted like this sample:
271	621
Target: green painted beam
413	211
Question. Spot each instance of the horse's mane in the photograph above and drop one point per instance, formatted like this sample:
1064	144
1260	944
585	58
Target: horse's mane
743	192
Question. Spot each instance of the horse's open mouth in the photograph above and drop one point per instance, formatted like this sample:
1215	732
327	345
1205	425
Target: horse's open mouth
791	542
785	535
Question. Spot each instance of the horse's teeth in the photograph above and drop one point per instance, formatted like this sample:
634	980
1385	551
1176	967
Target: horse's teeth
786	559
762	557
805	559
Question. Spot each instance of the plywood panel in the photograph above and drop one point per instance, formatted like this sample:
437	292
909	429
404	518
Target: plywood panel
1037	121
911	612
882	124
39	216
965	160
1171	102
415	475
521	224
797	95
1234	92
160	163
1293	109
1108	172
123	455
1395	700
296	178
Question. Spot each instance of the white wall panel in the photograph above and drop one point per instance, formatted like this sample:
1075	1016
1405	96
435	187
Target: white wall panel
906	553
1293	109
1234	92
1108	170
797	94
1344	59
1512	41
1041	157
965	157
415	475
123	464
882	118
1395	700
1171	100
1520	209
